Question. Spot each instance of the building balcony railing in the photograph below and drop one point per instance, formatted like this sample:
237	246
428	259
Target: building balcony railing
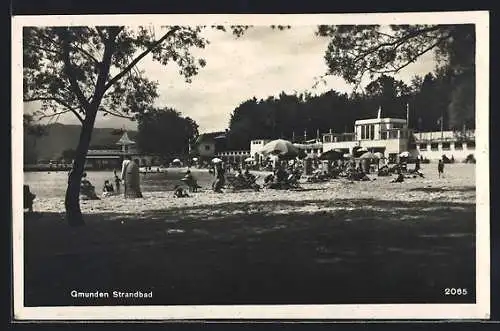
339	137
111	152
445	136
233	153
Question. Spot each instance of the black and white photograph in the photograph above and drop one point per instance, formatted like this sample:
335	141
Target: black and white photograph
197	167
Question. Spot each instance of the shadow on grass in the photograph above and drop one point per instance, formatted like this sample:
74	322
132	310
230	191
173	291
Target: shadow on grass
271	252
444	189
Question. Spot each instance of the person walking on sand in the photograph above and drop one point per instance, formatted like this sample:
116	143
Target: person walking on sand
440	168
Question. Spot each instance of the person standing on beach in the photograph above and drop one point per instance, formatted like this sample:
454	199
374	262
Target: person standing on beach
132	187
125	163
440	168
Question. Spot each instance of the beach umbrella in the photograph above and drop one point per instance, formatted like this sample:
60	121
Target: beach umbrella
368	155
280	147
347	156
216	160
331	155
379	155
412	153
195	159
176	161
249	159
362	149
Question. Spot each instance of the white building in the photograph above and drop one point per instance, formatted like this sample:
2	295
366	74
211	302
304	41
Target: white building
389	136
256	147
433	145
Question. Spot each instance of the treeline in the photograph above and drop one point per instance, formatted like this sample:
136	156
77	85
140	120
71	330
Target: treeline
430	99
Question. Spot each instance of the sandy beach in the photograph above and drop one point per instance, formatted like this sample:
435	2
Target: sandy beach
452	188
333	242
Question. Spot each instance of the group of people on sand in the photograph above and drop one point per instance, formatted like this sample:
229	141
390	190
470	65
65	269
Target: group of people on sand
283	177
129	177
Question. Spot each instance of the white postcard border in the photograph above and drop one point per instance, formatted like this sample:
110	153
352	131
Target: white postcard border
480	310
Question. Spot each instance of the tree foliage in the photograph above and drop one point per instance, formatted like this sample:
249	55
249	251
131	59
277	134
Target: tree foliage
289	116
357	51
90	69
69	69
164	132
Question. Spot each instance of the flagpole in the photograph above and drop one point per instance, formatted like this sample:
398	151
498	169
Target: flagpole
442	120
407	115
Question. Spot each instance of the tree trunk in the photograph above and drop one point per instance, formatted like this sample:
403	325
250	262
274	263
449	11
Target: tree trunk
72	200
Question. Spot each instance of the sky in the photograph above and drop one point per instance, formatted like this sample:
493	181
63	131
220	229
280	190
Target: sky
261	63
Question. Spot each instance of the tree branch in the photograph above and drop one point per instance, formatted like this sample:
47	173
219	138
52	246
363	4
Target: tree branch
140	57
45	49
90	56
411	60
59	101
69	71
116	114
396	43
54	114
109	48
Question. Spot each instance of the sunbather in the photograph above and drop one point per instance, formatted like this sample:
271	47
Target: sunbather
190	181
87	190
179	192
399	179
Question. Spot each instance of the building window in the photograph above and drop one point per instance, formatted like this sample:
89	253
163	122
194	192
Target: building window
393	134
471	145
445	146
328	139
458	146
423	147
372	132
434	147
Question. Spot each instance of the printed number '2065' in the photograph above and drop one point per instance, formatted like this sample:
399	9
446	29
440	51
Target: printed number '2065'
455	291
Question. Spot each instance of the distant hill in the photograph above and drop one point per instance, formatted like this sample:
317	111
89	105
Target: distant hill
61	137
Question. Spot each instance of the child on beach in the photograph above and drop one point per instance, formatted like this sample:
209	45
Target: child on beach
107	189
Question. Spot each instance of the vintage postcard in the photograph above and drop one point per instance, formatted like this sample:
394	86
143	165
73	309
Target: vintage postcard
251	167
